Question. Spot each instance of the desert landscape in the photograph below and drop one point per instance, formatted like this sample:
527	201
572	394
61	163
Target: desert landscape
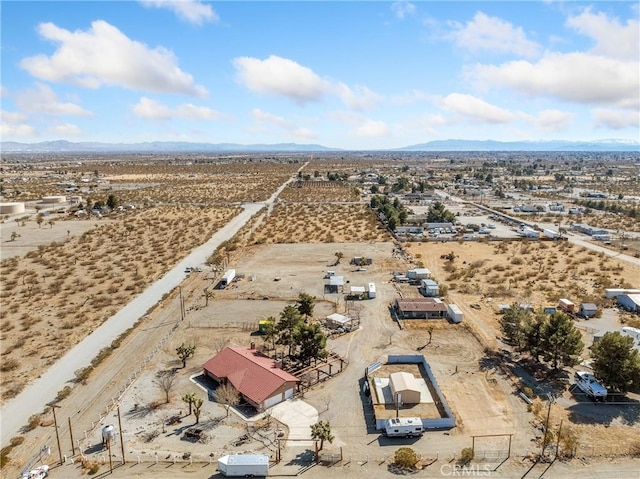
64	275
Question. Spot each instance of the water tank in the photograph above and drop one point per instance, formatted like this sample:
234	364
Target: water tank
108	433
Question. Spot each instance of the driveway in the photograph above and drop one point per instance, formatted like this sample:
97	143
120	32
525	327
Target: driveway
298	416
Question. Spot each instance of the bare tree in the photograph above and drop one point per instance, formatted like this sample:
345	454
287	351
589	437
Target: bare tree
165	380
219	343
227	395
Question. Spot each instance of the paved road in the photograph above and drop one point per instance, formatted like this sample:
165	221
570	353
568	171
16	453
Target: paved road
33	399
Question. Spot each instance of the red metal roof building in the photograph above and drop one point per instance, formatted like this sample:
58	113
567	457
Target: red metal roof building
253	374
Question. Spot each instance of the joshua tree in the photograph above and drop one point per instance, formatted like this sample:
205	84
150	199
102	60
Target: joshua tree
184	352
322	431
197	408
189	398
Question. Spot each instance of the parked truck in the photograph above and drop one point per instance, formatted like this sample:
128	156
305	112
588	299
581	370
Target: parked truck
244	465
404	427
566	305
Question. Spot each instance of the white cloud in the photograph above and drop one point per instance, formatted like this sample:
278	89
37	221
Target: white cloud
280	76
476	109
372	128
12	116
361	125
8	130
103	55
493	34
192	11
611	38
576	77
616	119
362	98
44	100
265	122
283	77
65	130
153	110
401	8
553	120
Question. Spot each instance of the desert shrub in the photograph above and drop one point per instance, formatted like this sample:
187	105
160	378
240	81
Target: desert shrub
9	365
405	457
33	422
16	441
466	455
63	393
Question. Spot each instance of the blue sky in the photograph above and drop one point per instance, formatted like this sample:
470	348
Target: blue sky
344	74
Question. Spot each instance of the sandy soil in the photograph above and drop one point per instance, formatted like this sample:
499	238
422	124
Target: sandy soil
61	291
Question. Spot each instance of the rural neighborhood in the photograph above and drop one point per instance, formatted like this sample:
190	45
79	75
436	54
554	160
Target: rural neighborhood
334	315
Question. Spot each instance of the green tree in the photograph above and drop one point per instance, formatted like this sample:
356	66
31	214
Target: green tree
290	321
269	332
311	342
321	431
561	341
184	352
305	304
439	214
616	363
112	202
511	324
532	333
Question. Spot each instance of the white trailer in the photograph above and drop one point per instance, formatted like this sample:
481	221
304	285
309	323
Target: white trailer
528	232
551	234
244	465
227	277
455	314
372	290
404	427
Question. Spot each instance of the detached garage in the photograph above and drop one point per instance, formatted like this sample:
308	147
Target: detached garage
404	386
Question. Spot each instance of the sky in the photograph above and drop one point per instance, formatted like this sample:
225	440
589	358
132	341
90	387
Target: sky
360	75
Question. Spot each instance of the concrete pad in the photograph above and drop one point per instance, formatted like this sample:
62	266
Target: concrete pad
298	416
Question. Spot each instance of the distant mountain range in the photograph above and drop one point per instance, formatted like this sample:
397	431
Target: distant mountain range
62	146
552	145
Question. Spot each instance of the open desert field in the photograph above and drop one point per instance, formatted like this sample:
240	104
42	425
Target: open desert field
60	291
504	272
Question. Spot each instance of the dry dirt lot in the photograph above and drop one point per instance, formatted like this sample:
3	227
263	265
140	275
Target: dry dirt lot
60	291
230	319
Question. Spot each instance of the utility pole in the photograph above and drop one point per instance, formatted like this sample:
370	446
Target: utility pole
73	448
181	303
121	435
55	423
546	426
